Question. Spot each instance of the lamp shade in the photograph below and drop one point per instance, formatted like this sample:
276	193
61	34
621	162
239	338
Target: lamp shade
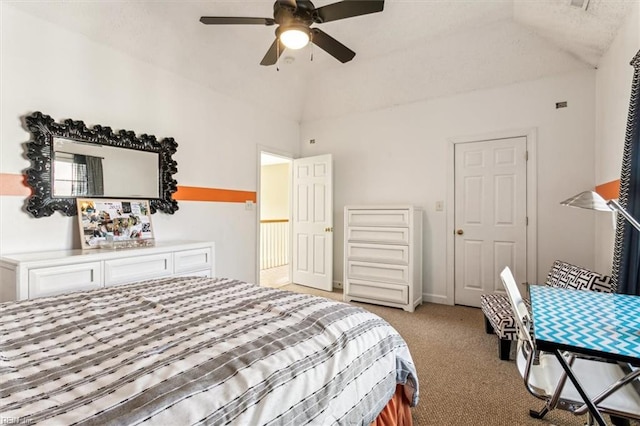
295	36
588	200
592	201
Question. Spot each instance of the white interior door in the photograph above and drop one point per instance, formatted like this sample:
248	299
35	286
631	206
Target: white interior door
490	216
313	222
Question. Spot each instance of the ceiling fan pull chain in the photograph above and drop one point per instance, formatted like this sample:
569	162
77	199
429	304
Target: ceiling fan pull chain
277	54
311	43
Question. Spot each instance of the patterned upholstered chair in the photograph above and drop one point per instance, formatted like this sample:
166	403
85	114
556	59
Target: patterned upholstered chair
498	316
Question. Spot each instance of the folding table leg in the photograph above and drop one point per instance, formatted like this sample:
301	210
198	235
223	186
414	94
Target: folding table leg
592	408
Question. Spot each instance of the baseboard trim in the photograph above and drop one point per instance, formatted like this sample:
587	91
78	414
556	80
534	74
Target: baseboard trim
435	298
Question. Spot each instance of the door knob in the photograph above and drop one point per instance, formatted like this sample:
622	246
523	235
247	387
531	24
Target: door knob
459	232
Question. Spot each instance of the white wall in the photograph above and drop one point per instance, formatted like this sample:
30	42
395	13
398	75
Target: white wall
65	75
399	155
613	93
274	192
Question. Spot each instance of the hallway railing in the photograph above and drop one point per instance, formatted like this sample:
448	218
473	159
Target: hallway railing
274	243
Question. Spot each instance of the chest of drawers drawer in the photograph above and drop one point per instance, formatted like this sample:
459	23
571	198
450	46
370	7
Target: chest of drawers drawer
378	253
64	279
378	272
378	217
120	271
384	292
192	260
383	235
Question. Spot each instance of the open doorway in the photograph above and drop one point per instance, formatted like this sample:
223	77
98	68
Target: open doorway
274	249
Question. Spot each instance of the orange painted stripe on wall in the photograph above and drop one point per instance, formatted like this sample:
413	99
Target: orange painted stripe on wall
194	193
13	184
609	190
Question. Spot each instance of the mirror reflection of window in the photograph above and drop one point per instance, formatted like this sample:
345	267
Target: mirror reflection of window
77	174
105	170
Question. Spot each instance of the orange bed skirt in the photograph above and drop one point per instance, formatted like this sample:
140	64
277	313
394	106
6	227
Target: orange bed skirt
397	412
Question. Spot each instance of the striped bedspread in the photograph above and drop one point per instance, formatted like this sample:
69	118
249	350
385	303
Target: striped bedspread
184	351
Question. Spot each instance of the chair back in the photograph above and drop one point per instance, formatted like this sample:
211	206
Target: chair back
520	311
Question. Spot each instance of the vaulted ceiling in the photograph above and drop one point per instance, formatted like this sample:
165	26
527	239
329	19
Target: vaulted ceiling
413	50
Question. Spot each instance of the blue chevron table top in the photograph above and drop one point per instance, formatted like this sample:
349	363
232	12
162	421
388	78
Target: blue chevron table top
586	321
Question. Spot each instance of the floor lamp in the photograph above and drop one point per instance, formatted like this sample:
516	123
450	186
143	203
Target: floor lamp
593	201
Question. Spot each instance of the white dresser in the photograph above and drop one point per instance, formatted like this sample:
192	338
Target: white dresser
383	255
38	274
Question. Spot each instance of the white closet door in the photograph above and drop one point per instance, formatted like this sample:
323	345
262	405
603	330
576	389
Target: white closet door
490	216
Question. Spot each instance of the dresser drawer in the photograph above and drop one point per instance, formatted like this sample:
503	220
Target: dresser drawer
398	274
378	253
384	292
379	217
192	260
378	235
122	271
200	273
64	279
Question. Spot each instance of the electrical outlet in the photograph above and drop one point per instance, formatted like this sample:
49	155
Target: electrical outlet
248	205
439	206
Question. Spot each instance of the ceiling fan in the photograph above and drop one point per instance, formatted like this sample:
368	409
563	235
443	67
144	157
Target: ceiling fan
294	19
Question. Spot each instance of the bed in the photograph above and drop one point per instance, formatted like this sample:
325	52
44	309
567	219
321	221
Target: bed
197	350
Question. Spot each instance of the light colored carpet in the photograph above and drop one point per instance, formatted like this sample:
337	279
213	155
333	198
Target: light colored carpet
275	277
462	380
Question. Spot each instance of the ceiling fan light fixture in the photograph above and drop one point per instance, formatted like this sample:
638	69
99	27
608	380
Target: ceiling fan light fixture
294	19
295	36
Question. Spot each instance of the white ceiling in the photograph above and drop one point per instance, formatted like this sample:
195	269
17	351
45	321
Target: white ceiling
413	50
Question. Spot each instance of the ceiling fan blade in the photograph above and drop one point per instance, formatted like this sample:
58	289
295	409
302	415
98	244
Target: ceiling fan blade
232	20
273	53
348	9
332	46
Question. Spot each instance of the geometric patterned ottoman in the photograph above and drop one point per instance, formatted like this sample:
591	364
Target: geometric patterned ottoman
498	318
566	275
496	308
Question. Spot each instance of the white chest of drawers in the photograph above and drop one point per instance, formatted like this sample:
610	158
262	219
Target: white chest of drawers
383	255
38	274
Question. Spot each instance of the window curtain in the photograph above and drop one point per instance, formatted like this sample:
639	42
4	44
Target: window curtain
79	175
95	181
626	252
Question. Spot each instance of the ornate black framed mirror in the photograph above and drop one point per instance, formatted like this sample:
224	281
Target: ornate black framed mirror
70	160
